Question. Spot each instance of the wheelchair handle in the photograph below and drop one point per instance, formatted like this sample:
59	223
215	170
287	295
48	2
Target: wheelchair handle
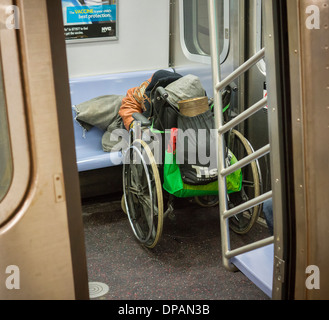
162	93
234	87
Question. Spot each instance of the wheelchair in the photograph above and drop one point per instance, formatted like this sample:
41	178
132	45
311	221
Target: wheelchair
145	200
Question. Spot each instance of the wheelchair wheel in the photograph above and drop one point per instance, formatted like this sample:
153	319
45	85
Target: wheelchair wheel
123	204
143	194
251	185
207	201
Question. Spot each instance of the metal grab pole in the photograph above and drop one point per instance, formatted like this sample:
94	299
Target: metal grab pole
246	161
219	121
241	70
243	116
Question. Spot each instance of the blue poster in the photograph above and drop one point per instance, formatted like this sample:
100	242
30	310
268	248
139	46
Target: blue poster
89	19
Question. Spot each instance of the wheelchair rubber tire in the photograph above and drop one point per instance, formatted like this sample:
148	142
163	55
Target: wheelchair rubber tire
207	201
256	177
123	204
153	241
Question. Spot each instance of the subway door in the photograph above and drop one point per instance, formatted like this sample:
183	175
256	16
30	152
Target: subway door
42	252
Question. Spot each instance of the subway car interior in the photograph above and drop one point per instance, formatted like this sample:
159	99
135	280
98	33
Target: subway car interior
101	197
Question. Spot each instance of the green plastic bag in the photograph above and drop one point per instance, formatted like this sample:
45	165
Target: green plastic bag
174	185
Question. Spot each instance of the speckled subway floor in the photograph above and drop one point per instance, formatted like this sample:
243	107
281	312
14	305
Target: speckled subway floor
185	265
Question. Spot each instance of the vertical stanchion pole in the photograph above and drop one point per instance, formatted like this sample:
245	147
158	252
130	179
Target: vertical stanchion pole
219	122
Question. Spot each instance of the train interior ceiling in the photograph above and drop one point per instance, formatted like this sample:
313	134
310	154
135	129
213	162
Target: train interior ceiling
106	228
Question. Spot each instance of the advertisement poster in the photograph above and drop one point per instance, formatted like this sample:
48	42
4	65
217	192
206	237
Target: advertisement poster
90	20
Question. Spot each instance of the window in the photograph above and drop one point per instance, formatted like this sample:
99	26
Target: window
15	164
194	22
6	167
